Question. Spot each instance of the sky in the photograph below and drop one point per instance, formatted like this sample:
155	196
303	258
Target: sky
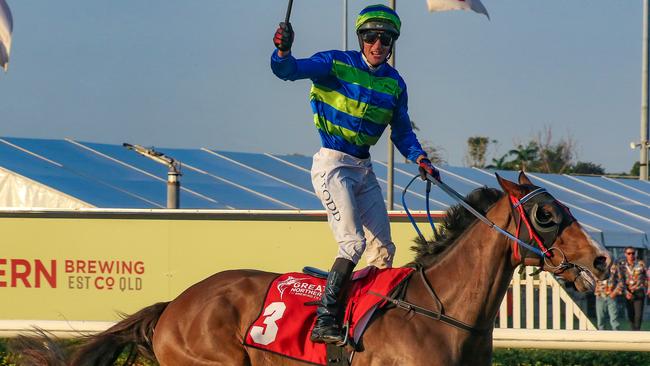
190	74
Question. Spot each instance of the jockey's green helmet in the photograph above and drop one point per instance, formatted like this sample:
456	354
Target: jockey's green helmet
379	18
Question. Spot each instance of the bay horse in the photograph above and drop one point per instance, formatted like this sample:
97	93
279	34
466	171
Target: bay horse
467	271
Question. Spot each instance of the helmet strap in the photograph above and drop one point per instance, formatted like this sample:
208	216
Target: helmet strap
390	53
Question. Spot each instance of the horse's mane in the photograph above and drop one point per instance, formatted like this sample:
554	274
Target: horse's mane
457	219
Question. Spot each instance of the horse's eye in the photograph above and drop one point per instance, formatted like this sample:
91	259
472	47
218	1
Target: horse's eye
542	216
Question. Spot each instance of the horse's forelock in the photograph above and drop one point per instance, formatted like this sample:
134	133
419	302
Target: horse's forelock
457	219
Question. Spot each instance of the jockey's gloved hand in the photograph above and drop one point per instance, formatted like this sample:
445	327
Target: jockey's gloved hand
426	167
283	38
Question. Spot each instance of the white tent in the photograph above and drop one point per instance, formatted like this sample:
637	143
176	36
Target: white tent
17	191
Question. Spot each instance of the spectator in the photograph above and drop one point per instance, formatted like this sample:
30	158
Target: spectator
635	287
606	293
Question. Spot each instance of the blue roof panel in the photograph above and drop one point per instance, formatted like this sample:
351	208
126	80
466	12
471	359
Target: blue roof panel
595	194
86	163
643	186
614	187
198	190
274	167
270	192
81	157
298	160
83	187
482	177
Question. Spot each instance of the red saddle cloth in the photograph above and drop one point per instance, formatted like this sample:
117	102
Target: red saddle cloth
285	322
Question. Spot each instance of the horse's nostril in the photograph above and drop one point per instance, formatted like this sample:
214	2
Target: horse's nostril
600	263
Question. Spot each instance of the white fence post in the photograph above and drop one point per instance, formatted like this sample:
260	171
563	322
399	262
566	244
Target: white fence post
543	302
530	299
516	300
503	313
556	303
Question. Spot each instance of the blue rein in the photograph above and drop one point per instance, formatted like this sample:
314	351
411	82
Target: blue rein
408	213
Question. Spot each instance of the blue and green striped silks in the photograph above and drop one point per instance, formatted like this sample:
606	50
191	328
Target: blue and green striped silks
354	104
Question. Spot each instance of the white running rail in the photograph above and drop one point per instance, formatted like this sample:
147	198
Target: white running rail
529	309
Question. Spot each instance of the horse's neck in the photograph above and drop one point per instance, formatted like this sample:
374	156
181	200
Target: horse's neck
472	278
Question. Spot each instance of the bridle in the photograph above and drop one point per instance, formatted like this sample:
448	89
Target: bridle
542	229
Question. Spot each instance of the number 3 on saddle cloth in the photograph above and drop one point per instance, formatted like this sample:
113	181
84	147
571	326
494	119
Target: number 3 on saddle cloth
285	321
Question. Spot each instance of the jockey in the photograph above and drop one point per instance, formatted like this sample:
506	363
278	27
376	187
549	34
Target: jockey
354	97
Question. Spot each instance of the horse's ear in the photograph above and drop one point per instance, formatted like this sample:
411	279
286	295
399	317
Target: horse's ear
509	187
523	179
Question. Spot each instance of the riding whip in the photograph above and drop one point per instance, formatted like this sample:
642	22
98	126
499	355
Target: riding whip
286	18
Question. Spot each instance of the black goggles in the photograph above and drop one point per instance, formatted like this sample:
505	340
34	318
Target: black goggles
370	37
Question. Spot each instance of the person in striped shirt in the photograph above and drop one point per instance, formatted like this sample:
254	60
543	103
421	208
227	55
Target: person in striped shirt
354	96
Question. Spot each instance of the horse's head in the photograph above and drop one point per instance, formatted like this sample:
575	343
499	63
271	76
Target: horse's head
549	225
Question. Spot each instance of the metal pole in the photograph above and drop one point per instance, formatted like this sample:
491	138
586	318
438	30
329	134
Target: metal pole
173	188
643	168
345	25
173	171
391	148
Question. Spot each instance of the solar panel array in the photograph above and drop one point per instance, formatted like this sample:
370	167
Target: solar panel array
614	211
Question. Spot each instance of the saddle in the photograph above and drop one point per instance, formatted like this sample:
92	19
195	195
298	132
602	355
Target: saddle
288	312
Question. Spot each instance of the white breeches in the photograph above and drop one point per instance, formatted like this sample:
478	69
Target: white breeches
355	207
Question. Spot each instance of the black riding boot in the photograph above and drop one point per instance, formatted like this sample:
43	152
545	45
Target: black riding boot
327	328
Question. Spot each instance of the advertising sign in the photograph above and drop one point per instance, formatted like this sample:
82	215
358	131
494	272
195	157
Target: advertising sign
91	267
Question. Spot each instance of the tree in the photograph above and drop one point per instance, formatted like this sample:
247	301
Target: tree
476	150
500	163
524	156
586	167
554	157
636	169
543	154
